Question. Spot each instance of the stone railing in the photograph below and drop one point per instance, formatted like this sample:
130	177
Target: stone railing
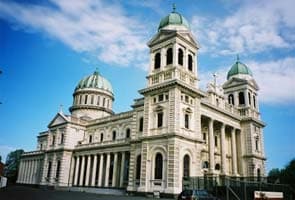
104	143
32	153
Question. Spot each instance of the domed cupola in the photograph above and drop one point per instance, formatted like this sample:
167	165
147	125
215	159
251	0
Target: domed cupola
174	21
239	70
93	97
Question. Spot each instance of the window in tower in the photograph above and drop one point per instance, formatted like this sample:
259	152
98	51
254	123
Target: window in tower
241	98
167	97
249	97
257	144
217	166
160	119
62	136
180	57
53	140
204	138
231	99
186	121
190	63
85	100
169	58
157	60
103	102
92	99
158	166
186	99
141	124
254	101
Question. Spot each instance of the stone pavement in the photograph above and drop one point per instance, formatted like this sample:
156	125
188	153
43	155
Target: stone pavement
30	193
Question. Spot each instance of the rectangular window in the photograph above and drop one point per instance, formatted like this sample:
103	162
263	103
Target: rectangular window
167	97
160	119
216	141
204	137
186	99
98	98
62	138
92	99
80	99
53	140
86	96
256	144
161	97
49	169
57	169
141	124
90	138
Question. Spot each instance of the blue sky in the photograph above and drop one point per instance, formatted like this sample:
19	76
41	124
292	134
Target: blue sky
46	47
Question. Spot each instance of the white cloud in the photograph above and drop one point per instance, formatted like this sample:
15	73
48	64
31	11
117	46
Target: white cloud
93	27
275	79
253	27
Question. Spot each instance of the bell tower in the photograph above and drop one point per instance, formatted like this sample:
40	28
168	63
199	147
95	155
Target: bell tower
173	52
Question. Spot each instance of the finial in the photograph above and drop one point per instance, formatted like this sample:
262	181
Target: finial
238	57
96	71
173	7
215	78
60	108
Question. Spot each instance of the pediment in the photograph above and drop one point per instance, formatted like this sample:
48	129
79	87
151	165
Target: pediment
161	36
58	119
237	81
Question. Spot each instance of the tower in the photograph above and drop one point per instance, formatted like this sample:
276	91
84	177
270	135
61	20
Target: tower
241	91
93	97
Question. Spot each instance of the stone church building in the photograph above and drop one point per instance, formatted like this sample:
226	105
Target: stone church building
174	130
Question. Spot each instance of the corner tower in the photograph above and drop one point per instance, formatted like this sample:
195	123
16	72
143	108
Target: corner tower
93	97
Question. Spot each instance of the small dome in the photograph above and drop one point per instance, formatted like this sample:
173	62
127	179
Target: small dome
174	18
239	68
95	81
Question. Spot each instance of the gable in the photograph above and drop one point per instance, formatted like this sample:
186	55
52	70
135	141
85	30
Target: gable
58	119
237	81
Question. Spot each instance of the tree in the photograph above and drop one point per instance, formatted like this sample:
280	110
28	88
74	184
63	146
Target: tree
12	165
285	175
0	159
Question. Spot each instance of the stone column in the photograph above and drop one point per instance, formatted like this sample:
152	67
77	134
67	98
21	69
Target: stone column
211	146
29	171
94	170
82	171
234	151
106	183
122	169
100	170
114	180
88	170
24	171
76	171
20	172
33	171
223	153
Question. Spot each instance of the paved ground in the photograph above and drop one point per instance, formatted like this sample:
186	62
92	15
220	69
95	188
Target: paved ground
29	193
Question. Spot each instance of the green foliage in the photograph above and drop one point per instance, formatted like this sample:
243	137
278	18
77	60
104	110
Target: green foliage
285	175
12	165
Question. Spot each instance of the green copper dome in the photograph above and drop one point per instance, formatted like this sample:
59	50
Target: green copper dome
174	18
239	68
95	81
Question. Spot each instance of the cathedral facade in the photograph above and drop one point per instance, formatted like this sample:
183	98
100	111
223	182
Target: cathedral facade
175	130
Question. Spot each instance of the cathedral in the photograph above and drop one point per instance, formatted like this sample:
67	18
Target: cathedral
174	130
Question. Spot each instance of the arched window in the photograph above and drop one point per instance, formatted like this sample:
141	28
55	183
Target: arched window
258	174
180	57
114	135
101	137
138	167
158	166
241	98
249	97
217	166
186	121
254	101
160	119
157	60
231	99
190	63
169	56
128	133
205	165
186	166
141	124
